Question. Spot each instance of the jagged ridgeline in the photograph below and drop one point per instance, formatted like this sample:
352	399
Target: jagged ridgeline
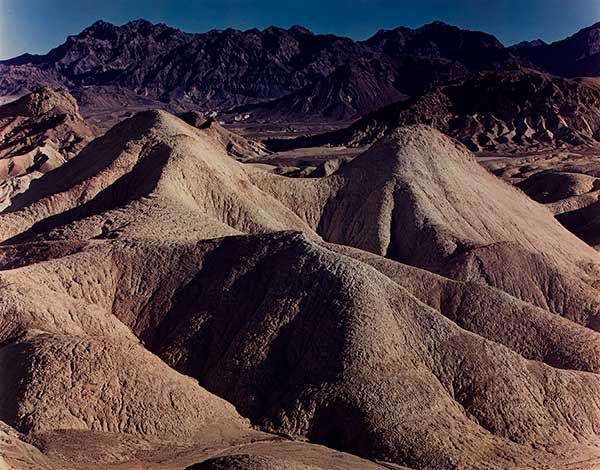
218	70
292	74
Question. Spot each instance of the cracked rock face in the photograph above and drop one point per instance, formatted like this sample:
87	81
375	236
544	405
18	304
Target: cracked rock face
165	301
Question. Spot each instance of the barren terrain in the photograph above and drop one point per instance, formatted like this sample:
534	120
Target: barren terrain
322	309
301	266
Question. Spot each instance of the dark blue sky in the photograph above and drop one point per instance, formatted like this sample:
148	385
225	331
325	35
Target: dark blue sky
38	25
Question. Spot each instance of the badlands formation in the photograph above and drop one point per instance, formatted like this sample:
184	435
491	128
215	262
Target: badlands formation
38	133
274	249
165	305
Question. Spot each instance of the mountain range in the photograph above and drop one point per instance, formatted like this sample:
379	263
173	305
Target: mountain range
220	69
323	75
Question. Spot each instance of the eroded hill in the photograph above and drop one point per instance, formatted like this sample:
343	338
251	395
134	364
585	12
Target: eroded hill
38	133
389	310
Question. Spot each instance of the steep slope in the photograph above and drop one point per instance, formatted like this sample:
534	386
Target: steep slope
145	163
575	56
236	145
155	234
354	89
38	133
502	111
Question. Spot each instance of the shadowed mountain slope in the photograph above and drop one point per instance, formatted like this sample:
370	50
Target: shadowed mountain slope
218	70
575	56
350	91
354	89
493	111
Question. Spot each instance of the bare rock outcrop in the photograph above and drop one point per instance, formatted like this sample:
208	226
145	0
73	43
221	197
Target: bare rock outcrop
38	133
500	111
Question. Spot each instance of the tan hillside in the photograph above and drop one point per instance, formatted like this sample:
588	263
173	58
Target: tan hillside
237	146
38	132
380	311
419	198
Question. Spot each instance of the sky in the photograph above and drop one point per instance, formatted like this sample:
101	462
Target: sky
36	26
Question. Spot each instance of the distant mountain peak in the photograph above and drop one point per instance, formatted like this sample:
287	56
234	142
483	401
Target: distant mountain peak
104	29
297	29
534	43
99	25
140	22
438	24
